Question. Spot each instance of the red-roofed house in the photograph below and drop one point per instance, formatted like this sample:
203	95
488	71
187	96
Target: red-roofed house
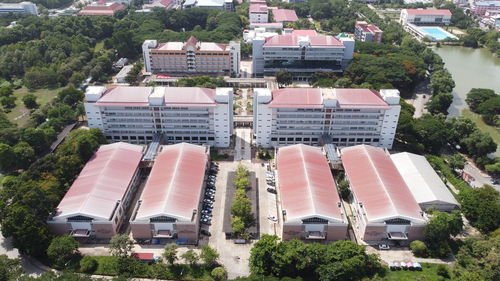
167	4
425	16
383	204
97	201
367	32
170	204
305	115
310	203
101	8
178	114
285	16
191	57
302	52
258	12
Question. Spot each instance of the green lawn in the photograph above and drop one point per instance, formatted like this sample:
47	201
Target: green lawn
99	46
428	273
19	114
494	132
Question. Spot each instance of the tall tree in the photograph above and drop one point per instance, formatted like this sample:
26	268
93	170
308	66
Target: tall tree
121	245
62	249
481	206
170	253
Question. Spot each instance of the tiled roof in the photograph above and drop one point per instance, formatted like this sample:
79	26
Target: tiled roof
284	15
434	12
293	40
107	9
297	97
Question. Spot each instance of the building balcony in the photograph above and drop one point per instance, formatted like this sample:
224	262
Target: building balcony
163	234
315	235
80	233
397	236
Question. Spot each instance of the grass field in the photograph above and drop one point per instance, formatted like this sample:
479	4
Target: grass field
99	46
494	132
428	273
19	114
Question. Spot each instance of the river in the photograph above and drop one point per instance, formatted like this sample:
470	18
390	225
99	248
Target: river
470	68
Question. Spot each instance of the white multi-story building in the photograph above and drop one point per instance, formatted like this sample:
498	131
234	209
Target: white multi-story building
345	117
136	114
19	8
301	52
367	32
209	4
191	57
425	16
258	12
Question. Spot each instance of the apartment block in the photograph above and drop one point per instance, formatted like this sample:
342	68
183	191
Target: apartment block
345	117
367	32
178	114
301	52
258	12
425	16
192	57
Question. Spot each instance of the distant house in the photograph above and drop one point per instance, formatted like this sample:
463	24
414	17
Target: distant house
284	16
97	202
258	12
19	8
311	206
367	32
425	185
101	8
425	16
166	4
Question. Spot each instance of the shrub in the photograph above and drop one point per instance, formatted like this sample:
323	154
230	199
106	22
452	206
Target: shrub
442	270
419	249
88	264
219	273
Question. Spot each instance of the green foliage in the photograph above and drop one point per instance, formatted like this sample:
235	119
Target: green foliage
209	255
440	103
456	161
442	270
481	206
480	255
191	257
201	81
6	91
8	102
478	144
237	225
133	74
121	246
219	273
490	110
442	82
419	249
283	78
88	264
341	260
10	269
344	190
29	101
61	250
476	96
323	79
241	208
170	253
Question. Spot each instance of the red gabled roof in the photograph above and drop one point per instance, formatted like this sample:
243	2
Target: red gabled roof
436	12
306	184
102	183
350	98
174	185
101	9
284	15
297	97
293	40
377	184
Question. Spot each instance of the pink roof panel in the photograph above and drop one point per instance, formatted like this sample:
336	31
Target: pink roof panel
434	12
258	8
189	96
307	188
377	184
174	186
284	15
103	181
360	98
304	32
297	97
119	95
293	41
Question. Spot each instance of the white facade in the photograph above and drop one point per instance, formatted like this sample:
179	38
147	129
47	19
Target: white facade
346	116
136	114
258	13
21	8
425	17
301	54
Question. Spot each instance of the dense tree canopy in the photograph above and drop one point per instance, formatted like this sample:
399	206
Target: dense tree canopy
481	206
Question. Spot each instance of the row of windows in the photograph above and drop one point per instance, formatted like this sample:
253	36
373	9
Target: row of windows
335	140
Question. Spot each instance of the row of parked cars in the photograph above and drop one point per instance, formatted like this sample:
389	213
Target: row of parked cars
209	197
271	182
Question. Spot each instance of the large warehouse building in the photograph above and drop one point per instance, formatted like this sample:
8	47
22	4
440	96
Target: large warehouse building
169	206
304	115
310	203
97	201
425	185
137	114
384	207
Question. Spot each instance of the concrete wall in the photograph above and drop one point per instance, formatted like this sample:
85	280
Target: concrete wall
188	231
104	230
416	232
59	228
291	231
374	232
336	232
141	230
